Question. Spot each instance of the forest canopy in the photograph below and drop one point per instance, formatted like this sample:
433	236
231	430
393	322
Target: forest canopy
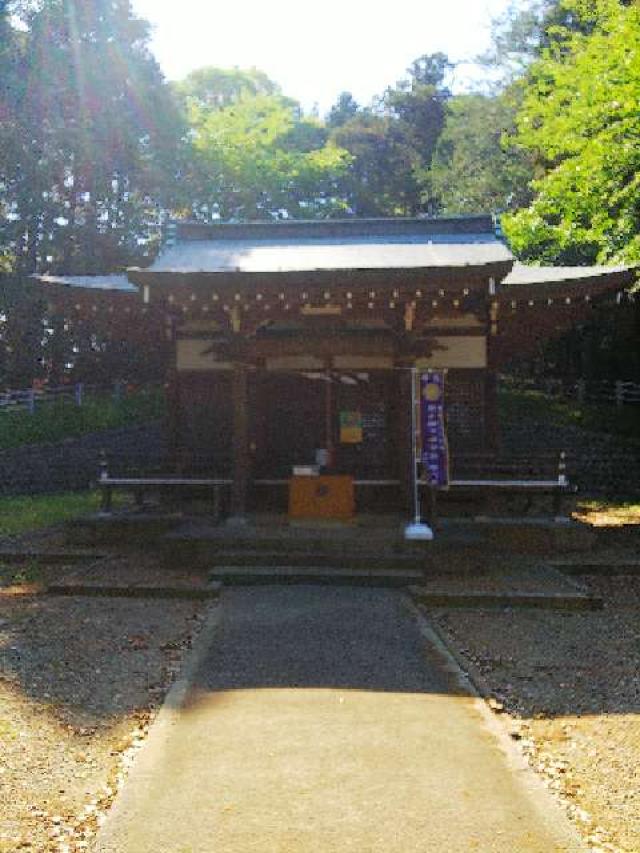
97	149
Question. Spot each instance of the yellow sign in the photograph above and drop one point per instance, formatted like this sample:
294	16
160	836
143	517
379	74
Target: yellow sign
350	427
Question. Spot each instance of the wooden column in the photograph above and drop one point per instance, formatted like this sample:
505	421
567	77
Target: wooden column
491	414
329	420
173	419
241	458
404	438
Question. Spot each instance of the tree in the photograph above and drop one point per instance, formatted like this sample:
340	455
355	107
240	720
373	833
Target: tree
258	157
344	109
215	88
418	103
94	138
525	30
392	144
579	120
380	180
474	169
11	94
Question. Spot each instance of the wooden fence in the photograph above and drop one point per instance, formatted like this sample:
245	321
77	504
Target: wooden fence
32	399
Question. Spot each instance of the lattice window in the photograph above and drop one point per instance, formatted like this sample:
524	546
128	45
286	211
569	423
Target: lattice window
465	410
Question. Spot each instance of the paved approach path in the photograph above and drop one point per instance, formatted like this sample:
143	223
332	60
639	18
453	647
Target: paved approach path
320	719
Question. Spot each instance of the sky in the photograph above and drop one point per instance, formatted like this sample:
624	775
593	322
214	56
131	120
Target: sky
315	50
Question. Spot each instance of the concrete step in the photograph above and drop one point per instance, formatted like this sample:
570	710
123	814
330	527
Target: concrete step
346	559
253	575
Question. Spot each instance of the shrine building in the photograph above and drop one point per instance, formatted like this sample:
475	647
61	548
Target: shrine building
293	342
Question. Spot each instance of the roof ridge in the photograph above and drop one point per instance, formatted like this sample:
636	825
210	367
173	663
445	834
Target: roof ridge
189	230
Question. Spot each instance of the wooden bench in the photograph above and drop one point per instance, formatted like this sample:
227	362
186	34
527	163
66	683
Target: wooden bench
479	473
141	485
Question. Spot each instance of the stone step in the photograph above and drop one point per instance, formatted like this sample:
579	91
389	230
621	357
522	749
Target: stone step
389	545
106	589
17	557
571	601
249	575
598	567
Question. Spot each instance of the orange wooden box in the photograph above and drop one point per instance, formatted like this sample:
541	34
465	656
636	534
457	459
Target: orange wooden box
326	496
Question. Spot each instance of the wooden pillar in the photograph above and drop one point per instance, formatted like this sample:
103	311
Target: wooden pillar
491	439
241	458
328	418
173	397
173	419
491	416
404	439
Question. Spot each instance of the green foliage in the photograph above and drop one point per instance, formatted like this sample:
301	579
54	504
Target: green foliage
344	109
53	422
11	575
535	406
520	35
258	158
89	137
381	180
474	169
216	88
580	121
25	513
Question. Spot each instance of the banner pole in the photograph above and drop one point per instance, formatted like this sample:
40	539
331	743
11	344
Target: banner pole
416	530
414	445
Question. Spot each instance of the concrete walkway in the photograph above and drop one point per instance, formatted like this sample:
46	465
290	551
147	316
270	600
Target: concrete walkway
322	719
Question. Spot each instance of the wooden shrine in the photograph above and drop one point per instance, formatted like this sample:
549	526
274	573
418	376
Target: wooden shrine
292	343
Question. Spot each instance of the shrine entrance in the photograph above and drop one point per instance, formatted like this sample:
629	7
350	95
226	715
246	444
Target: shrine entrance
338	420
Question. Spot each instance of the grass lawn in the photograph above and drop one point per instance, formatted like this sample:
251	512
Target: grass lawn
53	422
27	512
19	576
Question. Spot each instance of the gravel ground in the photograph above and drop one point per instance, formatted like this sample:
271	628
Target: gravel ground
568	685
80	681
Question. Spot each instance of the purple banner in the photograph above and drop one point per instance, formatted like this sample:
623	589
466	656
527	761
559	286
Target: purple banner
435	452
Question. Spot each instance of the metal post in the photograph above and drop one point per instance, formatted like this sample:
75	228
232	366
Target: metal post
562	483
103	483
79	391
562	469
31	401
